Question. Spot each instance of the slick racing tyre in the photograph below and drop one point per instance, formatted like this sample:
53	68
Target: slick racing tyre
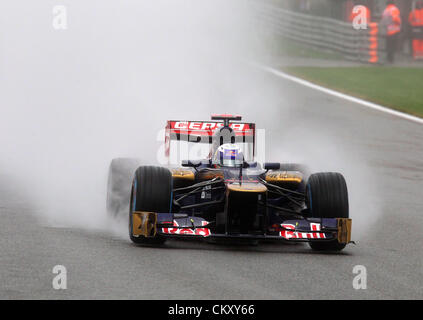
327	197
152	192
121	171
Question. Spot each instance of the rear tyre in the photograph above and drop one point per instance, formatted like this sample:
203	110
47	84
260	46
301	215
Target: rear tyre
151	191
327	197
121	171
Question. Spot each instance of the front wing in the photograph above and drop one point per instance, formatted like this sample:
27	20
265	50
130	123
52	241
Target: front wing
149	224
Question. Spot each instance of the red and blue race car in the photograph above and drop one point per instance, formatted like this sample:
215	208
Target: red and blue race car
228	196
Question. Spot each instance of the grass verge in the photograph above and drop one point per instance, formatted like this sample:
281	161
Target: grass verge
395	87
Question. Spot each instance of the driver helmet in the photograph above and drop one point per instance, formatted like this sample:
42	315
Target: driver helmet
228	155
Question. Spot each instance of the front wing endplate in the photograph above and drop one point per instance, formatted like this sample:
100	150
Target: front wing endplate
344	230
144	224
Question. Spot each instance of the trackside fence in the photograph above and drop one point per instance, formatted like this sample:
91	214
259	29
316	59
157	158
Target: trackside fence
331	35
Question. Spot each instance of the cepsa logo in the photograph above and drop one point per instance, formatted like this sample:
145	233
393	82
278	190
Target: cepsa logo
191	125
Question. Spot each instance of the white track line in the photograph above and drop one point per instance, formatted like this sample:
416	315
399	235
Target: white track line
343	96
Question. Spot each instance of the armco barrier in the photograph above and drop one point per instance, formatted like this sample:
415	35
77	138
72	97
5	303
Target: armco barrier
365	45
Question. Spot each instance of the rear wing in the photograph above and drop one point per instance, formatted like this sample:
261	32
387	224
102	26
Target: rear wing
202	131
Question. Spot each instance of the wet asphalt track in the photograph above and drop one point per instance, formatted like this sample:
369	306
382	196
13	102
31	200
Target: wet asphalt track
102	266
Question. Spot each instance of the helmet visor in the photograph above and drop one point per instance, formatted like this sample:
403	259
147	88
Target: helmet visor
228	157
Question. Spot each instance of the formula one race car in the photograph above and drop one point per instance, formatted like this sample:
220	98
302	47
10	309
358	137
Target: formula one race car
227	196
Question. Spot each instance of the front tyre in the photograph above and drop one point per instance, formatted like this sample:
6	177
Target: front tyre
327	197
152	192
